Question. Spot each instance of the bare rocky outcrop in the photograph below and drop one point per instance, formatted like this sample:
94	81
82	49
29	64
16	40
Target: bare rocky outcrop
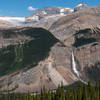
5	24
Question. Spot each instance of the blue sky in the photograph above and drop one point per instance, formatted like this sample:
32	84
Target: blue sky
27	7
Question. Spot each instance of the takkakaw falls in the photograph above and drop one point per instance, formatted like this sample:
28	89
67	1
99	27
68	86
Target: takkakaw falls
74	66
75	69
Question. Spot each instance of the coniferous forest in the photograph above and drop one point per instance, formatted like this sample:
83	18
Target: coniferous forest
82	92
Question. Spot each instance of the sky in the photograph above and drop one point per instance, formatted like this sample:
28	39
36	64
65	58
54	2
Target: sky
23	8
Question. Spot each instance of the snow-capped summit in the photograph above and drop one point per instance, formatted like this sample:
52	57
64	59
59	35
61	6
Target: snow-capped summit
46	16
49	11
81	6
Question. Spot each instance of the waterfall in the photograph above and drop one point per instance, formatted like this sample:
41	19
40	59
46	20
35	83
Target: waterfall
75	69
74	66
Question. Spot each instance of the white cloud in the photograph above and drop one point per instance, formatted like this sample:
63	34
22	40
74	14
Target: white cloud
30	8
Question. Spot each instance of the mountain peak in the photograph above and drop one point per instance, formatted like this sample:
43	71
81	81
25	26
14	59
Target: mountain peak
81	6
50	11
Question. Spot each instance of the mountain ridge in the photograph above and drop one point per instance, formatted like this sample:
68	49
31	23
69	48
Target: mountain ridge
32	20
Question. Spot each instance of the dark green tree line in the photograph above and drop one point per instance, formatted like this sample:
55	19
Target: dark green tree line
83	92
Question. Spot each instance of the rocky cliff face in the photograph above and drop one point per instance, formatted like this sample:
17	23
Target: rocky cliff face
68	25
80	32
87	52
46	16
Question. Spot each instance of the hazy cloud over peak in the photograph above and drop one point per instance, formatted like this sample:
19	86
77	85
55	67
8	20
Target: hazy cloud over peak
30	8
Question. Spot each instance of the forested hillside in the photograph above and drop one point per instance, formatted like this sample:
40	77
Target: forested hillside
22	52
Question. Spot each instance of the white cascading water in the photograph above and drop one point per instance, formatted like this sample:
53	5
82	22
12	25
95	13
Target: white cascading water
74	66
75	69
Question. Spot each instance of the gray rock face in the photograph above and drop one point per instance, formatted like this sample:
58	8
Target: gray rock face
87	23
66	26
46	16
49	11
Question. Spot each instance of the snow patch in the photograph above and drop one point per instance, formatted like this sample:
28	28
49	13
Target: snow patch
62	11
13	20
44	12
33	18
79	5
